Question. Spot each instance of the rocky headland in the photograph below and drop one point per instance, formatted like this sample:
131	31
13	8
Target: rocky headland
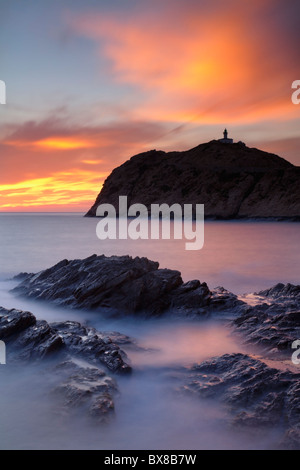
231	180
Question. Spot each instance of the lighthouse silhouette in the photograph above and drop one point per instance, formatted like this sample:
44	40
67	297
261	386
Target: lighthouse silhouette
225	139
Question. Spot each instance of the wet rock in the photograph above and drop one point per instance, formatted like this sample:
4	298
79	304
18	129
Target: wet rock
282	297
191	298
282	292
119	284
85	387
37	341
31	339
89	343
223	300
275	325
256	396
74	354
14	321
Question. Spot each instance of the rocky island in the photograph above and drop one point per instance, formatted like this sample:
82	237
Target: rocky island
230	179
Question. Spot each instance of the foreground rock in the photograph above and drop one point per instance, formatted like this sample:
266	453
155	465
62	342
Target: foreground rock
72	353
120	284
246	182
274	324
282	295
126	286
84	387
256	396
31	339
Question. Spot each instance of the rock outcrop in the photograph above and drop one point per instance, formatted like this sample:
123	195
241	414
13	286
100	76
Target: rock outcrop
256	396
32	339
231	180
84	387
272	325
119	284
73	355
122	285
286	293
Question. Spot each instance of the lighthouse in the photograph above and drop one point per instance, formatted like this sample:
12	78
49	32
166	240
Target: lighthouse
225	139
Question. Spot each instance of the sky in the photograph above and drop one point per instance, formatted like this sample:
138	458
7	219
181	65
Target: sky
89	83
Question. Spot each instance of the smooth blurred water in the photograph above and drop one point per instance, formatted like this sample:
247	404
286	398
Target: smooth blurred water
241	256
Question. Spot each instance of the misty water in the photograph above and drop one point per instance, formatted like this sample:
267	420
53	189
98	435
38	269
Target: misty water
244	256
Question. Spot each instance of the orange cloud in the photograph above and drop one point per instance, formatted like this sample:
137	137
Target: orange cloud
92	162
187	63
64	143
71	189
40	171
208	63
59	143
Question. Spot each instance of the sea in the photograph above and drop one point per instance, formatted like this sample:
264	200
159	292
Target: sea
150	413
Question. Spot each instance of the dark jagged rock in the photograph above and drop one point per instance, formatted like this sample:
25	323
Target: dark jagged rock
119	283
275	325
273	333
282	291
85	387
232	181
30	338
124	285
190	296
37	339
223	300
74	353
257	396
92	345
283	295
14	321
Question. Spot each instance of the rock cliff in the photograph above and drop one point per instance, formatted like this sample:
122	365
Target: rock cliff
231	180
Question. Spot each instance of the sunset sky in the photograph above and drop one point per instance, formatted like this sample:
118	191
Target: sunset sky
92	82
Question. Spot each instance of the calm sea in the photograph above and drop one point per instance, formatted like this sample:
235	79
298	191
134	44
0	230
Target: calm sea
242	256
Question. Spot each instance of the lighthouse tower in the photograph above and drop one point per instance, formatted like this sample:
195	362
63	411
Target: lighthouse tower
225	139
